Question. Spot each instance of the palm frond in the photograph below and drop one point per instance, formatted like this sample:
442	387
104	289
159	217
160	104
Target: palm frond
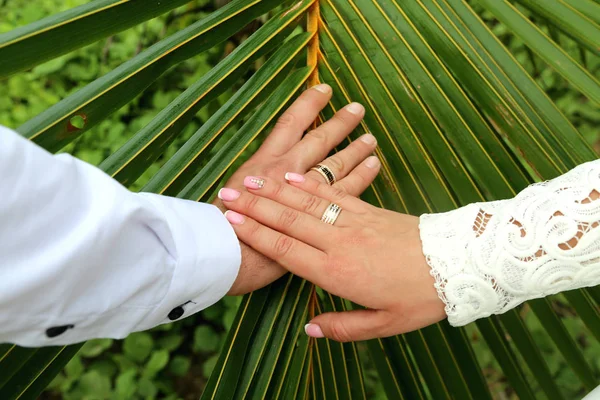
458	120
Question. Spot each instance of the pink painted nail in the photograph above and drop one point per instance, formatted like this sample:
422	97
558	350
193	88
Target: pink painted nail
294	177
234	218
252	182
227	194
313	330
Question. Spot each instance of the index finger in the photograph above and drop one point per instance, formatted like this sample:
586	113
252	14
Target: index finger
296	119
295	256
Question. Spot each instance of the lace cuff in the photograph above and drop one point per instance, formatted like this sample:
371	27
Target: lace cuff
487	258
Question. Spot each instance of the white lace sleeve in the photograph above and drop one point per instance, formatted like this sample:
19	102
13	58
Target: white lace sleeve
487	258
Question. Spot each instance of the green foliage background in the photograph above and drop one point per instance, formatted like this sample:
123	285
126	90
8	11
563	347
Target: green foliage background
173	361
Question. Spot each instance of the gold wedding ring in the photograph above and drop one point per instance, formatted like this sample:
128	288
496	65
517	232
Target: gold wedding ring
326	172
331	214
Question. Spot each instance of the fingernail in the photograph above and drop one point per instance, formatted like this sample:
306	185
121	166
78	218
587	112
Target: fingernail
323	88
227	194
234	218
293	177
355	108
368	138
252	182
313	330
372	162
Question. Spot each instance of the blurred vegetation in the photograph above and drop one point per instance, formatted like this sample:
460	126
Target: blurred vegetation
174	360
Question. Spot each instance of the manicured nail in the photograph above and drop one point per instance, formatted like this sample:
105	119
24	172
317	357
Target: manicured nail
323	88
252	182
293	177
313	330
372	162
227	194
234	218
355	108
368	139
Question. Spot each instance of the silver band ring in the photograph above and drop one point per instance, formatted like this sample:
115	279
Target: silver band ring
331	214
326	172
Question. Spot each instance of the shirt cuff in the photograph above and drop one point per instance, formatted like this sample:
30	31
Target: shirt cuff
466	294
208	257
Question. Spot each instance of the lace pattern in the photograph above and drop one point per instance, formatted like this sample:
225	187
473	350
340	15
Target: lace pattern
487	258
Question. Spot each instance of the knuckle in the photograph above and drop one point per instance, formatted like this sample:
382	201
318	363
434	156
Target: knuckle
288	217
338	194
277	190
253	230
344	186
345	118
251	204
336	163
339	331
310	204
362	178
271	171
318	134
285	121
282	246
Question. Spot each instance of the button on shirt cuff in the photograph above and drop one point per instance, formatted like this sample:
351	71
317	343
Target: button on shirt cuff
208	259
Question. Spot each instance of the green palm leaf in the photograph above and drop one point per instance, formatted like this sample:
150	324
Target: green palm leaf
53	36
579	26
54	128
457	118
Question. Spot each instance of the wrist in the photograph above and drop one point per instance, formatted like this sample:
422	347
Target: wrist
431	307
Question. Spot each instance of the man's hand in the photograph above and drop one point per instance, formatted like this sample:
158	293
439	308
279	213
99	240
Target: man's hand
286	150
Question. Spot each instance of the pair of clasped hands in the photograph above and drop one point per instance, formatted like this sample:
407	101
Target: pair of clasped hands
370	256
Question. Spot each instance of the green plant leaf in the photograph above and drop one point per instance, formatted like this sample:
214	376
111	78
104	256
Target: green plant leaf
158	360
180	365
53	128
50	37
571	22
94	385
586	7
127	164
29	378
94	347
545	48
138	346
126	385
458	120
205	339
177	172
559	334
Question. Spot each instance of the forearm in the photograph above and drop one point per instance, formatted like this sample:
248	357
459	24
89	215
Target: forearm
487	258
82	257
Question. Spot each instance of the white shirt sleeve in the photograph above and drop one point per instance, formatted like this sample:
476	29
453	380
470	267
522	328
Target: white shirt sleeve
593	395
487	258
82	257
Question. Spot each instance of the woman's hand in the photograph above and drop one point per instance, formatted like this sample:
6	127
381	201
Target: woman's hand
286	150
370	256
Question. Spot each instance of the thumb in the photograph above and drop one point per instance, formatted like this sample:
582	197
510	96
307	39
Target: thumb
349	325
